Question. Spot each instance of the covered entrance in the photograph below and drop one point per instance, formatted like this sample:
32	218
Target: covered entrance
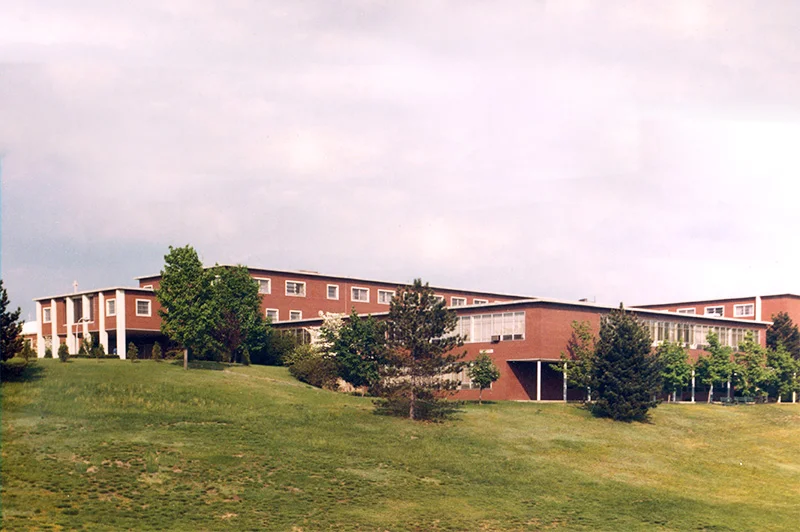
539	379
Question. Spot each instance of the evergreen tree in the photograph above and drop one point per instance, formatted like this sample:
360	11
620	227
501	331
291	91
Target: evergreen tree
417	372
626	375
578	361
133	352
157	354
63	352
483	372
357	345
10	327
676	372
27	351
784	332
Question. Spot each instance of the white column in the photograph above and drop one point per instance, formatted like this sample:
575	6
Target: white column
794	394
758	308
102	334
71	343
565	382
538	380
121	340
693	385
39	337
54	327
87	311
729	388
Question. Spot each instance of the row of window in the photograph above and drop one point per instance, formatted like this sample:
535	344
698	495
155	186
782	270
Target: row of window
357	293
744	310
695	336
491	327
143	308
274	315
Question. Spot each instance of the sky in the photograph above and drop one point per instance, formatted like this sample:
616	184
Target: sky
621	151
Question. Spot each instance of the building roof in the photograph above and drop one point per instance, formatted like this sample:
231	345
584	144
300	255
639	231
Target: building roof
311	273
717	300
95	291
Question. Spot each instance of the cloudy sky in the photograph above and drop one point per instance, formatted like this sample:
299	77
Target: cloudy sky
640	151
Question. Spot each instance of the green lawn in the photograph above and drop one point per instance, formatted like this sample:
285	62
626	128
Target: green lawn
117	445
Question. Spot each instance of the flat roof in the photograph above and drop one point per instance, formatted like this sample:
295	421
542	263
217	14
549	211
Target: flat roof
95	291
721	299
311	273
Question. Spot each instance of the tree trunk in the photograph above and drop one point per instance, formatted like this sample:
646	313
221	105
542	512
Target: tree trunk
412	402
710	393
185	358
779	398
675	395
480	397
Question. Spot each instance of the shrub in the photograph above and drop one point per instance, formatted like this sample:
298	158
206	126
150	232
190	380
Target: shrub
157	352
27	351
13	369
307	365
63	352
85	348
99	351
48	352
133	352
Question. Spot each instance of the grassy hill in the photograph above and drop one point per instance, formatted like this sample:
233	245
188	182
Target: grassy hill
117	445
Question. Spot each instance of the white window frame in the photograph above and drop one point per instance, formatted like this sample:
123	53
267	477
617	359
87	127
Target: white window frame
300	317
47	315
302	283
149	307
462	301
391	295
687	310
109	302
269	284
744	305
707	313
328	291
352	292
437	297
147	287
277	314
478	301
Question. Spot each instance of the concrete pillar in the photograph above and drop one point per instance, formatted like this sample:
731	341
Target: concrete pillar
794	394
54	327
564	382
71	343
39	338
693	385
729	388
102	334
87	311
538	380
122	341
758	308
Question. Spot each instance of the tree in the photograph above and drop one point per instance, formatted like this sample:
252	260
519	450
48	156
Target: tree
63	352
676	372
133	352
751	375
626	375
184	293
483	372
419	367
784	332
236	311
784	369
10	327
157	354
715	368
578	361
27	351
357	345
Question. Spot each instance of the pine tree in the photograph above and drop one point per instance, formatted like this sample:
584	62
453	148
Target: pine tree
419	369
10	327
626	375
784	332
63	352
483	372
157	352
133	352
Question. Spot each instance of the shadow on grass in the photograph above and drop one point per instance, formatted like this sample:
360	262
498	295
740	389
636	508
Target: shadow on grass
19	372
203	364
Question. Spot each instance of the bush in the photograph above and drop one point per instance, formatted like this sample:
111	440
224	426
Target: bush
63	352
27	351
48	352
307	365
133	352
99	351
157	352
13	369
427	407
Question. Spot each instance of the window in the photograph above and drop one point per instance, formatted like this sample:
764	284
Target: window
741	311
264	285
492	327
91	308
439	298
715	311
295	288
111	307
142	307
458	301
477	301
77	309
148	287
46	315
385	296
359	294
333	291
272	314
295	315
691	310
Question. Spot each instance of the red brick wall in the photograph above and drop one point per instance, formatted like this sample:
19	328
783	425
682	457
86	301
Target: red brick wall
132	321
772	305
701	306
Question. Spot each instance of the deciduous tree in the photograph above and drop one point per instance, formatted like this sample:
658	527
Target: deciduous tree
483	372
236	312
784	370
673	362
751	374
357	345
578	360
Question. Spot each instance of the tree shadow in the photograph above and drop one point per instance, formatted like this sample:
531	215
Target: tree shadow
21	372
203	364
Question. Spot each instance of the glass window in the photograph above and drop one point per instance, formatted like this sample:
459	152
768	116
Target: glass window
77	309
295	315
715	311
142	307
458	301
272	314
295	288
111	307
264	286
333	291
359	294
743	311
687	311
385	296
439	298
46	315
477	301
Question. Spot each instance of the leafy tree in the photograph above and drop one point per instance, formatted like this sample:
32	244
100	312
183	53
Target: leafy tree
274	349
715	368
133	352
676	372
236	310
157	353
784	332
579	358
483	372
10	327
187	316
416	373
784	370
625	376
63	352
751	374
357	344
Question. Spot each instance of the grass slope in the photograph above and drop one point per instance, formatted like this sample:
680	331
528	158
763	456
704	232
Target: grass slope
115	445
